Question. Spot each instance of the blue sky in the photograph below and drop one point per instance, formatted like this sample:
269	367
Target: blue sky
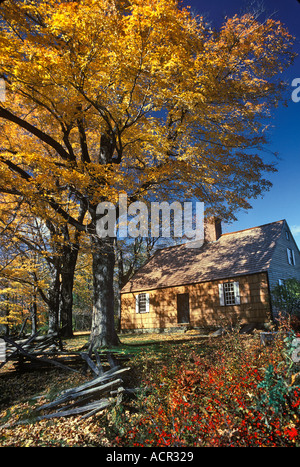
283	199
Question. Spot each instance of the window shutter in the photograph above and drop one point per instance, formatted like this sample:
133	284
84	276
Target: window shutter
237	293
147	303
221	295
294	261
137	304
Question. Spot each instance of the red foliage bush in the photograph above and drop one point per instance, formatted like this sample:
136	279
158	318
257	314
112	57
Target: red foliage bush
222	400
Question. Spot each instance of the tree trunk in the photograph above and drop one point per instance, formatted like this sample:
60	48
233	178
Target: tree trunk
103	333
53	300
69	260
66	292
33	311
6	311
66	305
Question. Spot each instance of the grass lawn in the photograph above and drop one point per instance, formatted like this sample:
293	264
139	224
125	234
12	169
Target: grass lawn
196	391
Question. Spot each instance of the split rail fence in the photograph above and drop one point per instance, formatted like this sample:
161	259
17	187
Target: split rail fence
106	388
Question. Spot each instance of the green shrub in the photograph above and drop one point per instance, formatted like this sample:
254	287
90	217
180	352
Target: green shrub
286	298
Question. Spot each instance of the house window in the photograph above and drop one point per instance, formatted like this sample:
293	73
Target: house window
229	293
142	303
291	256
280	282
287	234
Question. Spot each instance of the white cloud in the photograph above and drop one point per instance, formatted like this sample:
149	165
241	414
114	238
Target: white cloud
295	229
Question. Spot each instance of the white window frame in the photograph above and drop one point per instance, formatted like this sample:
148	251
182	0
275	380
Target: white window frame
137	303
291	256
223	294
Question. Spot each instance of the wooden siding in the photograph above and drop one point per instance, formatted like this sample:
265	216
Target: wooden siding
205	308
279	266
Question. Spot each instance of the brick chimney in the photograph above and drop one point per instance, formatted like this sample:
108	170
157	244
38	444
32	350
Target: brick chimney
212	229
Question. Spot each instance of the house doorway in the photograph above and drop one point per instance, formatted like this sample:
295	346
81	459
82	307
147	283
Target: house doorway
183	308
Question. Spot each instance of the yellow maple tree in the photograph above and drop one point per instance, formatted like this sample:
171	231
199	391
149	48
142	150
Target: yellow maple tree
110	96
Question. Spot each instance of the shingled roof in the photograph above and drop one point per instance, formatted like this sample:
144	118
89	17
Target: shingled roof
233	254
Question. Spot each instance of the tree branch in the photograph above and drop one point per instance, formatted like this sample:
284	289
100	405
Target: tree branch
7	115
84	148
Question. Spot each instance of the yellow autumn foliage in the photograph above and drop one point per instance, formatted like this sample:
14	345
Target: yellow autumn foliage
159	83
138	97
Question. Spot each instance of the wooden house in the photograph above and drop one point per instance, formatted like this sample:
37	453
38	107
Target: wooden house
226	280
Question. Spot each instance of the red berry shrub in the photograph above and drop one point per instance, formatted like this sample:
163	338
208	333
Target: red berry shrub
237	394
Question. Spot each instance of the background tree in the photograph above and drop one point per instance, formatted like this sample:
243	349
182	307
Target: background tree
134	96
51	247
23	280
83	290
286	297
